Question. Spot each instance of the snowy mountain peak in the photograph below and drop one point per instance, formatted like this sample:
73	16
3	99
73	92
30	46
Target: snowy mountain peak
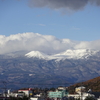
68	54
36	54
78	54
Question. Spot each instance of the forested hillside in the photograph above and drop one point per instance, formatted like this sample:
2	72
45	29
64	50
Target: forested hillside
93	84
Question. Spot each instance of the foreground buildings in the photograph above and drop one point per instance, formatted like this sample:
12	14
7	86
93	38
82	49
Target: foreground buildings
61	93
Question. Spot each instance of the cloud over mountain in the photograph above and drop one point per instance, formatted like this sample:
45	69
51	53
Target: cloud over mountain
73	5
44	43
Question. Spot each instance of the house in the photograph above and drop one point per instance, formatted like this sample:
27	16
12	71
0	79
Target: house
27	92
80	89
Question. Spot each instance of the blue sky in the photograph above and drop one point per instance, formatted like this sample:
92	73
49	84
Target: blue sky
19	16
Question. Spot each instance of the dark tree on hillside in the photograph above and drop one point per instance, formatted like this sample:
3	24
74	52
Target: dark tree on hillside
14	98
90	98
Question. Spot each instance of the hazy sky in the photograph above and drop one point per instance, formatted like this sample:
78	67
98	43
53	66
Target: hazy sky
72	19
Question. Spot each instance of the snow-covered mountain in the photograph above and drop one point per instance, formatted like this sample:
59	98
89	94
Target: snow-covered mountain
37	67
68	54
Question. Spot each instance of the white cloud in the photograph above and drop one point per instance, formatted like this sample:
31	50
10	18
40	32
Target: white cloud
88	45
45	43
42	24
76	28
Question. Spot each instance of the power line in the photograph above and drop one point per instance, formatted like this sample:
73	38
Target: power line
29	83
37	83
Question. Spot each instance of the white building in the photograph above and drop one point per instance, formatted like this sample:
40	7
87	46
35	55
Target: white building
80	93
36	98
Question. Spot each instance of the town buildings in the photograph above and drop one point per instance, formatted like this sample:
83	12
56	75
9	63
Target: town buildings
61	93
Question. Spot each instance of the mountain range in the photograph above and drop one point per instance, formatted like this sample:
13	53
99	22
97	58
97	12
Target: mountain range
68	54
35	68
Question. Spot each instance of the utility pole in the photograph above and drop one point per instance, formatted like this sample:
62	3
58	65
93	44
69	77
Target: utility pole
81	92
5	88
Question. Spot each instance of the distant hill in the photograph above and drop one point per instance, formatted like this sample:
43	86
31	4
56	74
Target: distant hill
93	84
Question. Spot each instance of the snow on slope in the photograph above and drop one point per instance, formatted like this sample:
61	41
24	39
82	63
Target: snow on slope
69	54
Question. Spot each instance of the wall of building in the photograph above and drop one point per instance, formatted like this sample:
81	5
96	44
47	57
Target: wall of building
57	94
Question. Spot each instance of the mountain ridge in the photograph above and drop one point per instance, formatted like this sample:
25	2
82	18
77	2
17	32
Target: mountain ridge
68	54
